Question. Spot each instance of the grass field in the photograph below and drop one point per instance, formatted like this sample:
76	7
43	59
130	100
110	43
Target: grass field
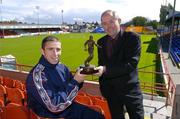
27	51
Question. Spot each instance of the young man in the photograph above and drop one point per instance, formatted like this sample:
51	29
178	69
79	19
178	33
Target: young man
118	59
51	88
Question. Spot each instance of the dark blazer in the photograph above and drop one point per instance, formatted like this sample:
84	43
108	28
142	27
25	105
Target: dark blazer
121	68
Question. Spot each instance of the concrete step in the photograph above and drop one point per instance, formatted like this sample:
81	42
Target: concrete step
151	116
154	97
155	116
157	107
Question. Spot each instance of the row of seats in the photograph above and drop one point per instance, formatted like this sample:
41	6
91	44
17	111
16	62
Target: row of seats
7	32
11	95
12	90
96	102
13	98
12	83
175	51
16	111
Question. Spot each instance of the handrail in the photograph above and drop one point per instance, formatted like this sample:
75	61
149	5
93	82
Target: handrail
19	67
171	86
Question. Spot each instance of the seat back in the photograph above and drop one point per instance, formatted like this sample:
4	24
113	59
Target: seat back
8	82
19	85
103	104
14	111
82	93
1	104
95	96
3	93
1	80
83	100
15	95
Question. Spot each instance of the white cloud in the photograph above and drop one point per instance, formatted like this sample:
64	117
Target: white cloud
88	10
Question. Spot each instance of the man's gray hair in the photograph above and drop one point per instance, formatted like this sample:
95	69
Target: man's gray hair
114	14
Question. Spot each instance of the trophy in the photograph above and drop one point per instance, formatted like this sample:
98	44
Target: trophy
88	68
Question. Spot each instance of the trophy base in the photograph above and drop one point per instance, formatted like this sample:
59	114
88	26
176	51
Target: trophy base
88	70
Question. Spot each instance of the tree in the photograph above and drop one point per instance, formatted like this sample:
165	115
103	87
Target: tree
153	23
129	23
139	21
164	11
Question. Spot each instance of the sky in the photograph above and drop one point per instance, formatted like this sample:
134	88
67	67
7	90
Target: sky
70	11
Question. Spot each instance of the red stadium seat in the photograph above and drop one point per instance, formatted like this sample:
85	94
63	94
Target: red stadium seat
82	93
1	80
19	85
1	103
103	104
94	96
83	100
3	93
15	95
8	82
14	111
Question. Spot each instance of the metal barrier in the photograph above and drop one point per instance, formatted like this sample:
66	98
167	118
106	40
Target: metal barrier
19	67
176	105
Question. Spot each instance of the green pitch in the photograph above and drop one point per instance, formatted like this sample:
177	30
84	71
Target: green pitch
27	51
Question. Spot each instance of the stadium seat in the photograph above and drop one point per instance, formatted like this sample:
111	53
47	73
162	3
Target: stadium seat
8	82
15	95
19	85
15	111
94	96
103	104
3	93
175	51
83	100
1	103
1	80
82	93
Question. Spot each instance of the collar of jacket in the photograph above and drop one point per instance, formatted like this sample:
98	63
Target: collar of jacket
117	36
44	62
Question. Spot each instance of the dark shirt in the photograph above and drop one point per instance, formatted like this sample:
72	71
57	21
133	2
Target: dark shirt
111	43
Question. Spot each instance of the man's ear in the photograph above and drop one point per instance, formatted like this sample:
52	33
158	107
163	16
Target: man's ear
42	51
119	20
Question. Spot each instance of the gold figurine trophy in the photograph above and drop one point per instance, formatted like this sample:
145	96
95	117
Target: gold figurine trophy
88	68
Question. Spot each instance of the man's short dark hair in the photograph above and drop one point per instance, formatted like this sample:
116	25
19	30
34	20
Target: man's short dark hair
47	39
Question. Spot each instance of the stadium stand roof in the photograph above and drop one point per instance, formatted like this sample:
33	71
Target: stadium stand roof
176	16
27	26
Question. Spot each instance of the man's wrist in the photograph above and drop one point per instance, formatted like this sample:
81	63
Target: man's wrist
104	69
